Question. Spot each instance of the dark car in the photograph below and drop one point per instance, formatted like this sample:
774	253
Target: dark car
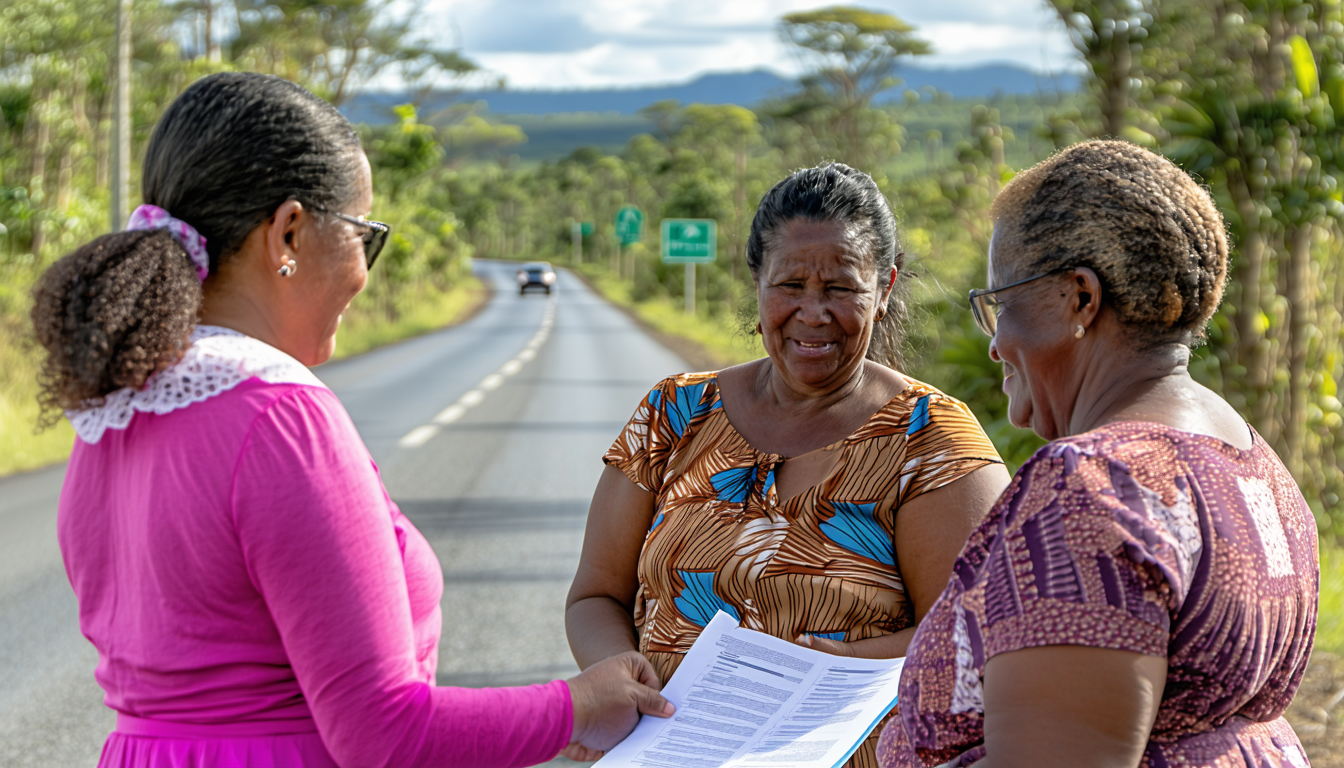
535	274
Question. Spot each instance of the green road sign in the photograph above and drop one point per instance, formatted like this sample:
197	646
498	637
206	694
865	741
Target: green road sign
581	228
629	225
689	241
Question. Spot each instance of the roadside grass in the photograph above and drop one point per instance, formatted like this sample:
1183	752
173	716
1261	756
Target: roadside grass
717	337
363	330
22	448
1330	615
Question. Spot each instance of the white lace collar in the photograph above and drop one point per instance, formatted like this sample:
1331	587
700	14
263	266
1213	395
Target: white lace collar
218	360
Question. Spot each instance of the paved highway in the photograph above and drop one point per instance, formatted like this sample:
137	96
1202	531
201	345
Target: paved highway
527	396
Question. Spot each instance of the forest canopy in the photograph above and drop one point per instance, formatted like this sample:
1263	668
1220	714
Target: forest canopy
1246	96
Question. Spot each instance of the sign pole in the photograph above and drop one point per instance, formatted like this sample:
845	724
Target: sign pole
121	120
576	236
629	230
688	241
690	288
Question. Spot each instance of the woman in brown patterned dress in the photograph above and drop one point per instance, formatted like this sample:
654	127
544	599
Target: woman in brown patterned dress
816	494
1144	593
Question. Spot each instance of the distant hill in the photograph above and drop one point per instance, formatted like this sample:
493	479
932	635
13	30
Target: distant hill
744	88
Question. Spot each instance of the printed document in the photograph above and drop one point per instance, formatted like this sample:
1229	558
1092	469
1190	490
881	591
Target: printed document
749	700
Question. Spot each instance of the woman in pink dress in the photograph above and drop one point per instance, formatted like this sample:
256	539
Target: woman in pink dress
255	597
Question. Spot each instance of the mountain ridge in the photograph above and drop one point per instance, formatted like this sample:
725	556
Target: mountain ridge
742	88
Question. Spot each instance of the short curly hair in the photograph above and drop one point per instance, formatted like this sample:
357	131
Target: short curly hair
1153	236
101	315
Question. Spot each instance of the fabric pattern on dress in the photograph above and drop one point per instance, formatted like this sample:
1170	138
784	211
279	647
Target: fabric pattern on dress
822	562
1142	538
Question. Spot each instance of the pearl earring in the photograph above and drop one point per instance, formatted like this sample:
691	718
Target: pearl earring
1078	334
290	267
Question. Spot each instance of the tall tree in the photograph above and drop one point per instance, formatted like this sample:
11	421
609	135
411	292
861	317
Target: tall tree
852	55
1108	34
337	47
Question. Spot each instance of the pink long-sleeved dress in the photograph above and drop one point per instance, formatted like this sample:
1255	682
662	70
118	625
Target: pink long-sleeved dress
255	596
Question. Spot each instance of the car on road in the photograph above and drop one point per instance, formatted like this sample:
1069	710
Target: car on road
535	273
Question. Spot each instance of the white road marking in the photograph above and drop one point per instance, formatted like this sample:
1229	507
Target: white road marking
418	436
423	434
450	414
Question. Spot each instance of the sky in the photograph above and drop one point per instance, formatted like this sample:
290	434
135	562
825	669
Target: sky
561	44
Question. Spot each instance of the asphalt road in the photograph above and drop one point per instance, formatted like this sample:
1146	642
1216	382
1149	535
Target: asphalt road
528	395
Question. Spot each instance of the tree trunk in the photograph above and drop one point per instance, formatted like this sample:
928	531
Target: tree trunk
1299	295
37	170
212	52
1252	348
65	176
1115	85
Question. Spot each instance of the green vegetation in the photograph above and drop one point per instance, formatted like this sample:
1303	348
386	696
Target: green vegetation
361	331
722	338
56	80
1330	614
1159	75
1252	103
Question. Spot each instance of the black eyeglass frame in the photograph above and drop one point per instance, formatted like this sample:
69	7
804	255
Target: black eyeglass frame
982	307
376	239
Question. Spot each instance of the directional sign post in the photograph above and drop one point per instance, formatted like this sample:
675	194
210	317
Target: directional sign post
690	242
630	225
629	230
577	231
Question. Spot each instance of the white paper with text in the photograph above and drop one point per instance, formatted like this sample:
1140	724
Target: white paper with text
749	700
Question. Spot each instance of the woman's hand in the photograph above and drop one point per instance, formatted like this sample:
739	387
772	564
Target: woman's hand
825	645
885	647
608	699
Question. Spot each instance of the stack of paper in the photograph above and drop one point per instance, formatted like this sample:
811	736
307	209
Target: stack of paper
748	700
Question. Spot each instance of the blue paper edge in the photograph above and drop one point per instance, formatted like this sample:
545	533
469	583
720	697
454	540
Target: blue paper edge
868	732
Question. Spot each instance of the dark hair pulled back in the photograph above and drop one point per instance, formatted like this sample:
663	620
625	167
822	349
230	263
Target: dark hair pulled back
838	193
227	152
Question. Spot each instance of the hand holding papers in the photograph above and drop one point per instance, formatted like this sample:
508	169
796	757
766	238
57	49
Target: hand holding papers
748	700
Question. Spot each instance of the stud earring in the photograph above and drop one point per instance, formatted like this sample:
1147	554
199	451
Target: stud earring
758	330
289	268
1078	334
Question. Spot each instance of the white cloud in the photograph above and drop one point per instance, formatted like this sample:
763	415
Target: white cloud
605	43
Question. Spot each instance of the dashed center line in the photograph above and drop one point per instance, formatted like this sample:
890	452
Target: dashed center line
426	432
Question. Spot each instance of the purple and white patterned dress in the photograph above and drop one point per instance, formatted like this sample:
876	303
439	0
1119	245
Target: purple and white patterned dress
1138	537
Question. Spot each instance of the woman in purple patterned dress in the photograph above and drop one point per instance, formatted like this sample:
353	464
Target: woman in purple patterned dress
1144	592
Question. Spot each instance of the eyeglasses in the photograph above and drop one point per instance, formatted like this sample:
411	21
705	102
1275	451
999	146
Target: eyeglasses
375	236
986	308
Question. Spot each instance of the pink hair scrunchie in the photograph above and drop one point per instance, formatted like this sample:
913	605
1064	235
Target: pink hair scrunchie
154	217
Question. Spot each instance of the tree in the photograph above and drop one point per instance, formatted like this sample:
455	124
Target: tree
852	56
1248	95
1107	33
336	47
